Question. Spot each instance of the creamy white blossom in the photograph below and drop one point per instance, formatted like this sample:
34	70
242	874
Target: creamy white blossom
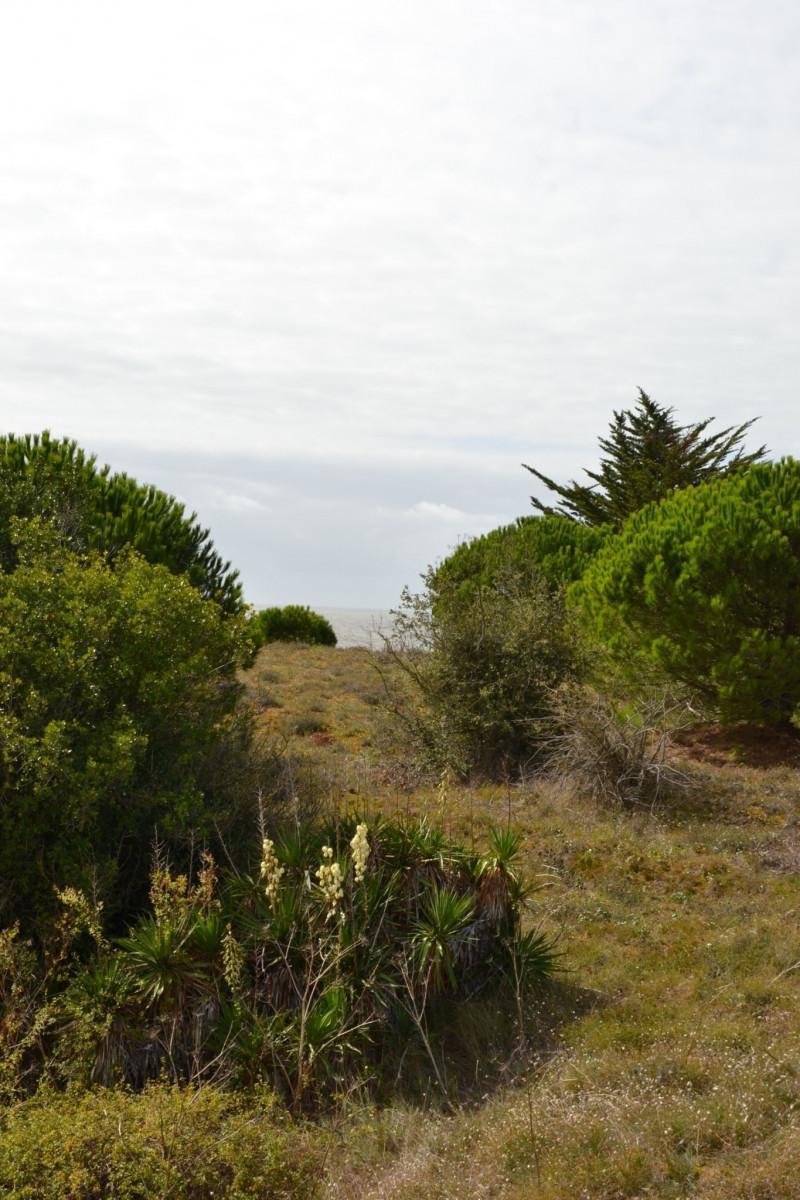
329	877
271	870
359	845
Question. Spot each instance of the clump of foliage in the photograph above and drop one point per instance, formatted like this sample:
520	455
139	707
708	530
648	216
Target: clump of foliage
315	973
557	548
116	686
166	1141
705	587
481	670
293	623
42	476
648	456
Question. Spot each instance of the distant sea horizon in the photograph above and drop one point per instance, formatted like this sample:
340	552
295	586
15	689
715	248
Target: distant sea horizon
357	626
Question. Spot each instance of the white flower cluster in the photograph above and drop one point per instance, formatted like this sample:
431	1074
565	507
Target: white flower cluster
329	875
271	869
359	844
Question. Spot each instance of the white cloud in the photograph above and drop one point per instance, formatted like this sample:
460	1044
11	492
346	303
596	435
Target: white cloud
454	516
443	512
233	503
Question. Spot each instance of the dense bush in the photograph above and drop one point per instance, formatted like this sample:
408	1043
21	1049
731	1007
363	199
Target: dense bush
482	669
293	623
92	509
116	685
705	586
318	972
557	548
189	1145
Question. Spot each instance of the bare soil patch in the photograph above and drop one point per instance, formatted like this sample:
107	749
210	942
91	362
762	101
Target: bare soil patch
743	745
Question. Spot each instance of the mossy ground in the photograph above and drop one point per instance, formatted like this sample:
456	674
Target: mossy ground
674	1068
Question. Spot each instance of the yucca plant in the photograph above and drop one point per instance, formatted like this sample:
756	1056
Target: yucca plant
158	959
505	848
96	1019
331	1032
410	844
206	934
500	886
445	914
533	958
297	847
305	978
254	1046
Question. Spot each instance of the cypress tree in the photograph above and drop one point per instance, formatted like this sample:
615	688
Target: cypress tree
648	456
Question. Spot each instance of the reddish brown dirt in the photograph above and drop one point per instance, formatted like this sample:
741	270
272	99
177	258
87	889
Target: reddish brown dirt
743	745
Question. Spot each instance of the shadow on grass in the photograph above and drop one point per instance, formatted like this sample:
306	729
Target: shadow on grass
740	745
481	1044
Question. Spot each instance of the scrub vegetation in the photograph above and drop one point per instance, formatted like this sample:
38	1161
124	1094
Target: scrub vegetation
504	910
293	623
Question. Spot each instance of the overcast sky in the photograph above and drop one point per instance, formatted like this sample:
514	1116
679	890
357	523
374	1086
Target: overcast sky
330	269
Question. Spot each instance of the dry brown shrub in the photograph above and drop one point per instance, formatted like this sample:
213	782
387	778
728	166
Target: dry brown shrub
620	758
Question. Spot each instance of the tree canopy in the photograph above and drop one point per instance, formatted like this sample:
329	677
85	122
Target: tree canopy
293	623
705	587
556	548
92	509
647	456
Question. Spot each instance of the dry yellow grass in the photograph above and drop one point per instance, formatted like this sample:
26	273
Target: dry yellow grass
676	1070
324	702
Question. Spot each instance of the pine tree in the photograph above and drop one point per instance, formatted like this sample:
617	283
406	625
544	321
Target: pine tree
705	588
648	456
94	510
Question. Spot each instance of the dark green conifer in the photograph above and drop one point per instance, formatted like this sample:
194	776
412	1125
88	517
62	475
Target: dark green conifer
648	456
53	478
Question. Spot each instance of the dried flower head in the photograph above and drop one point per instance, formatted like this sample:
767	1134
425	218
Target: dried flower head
206	880
232	959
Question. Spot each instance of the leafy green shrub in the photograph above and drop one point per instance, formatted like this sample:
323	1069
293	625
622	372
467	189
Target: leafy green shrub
191	1145
92	509
481	670
705	587
117	689
555	547
294	623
